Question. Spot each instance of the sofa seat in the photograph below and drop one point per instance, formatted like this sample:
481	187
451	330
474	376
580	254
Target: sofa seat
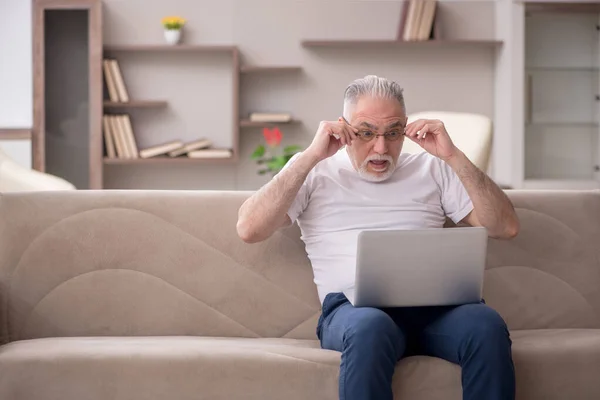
551	364
557	363
173	367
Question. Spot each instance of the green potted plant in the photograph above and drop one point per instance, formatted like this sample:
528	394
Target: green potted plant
272	157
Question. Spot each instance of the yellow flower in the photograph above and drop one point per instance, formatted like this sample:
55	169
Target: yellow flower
173	22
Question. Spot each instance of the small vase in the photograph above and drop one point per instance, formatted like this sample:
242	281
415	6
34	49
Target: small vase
172	36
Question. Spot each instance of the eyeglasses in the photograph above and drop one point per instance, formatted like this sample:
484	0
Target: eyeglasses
366	135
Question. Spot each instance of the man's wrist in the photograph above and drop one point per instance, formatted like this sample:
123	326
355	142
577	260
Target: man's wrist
308	160
457	161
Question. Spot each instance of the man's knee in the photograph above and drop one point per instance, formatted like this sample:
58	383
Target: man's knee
374	328
485	328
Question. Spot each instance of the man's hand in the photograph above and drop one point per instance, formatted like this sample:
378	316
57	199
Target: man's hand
330	137
432	136
492	208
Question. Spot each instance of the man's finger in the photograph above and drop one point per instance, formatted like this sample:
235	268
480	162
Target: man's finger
413	127
342	134
348	132
351	133
333	132
423	131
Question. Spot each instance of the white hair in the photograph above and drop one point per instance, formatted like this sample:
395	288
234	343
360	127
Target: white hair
373	86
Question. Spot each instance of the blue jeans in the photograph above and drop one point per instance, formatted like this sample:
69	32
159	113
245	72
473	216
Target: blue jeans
373	340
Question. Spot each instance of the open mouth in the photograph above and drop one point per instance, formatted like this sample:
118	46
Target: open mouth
378	165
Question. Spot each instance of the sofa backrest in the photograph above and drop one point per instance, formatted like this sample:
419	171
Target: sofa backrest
549	275
127	263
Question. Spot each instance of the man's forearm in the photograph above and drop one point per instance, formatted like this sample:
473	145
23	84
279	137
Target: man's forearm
266	210
492	207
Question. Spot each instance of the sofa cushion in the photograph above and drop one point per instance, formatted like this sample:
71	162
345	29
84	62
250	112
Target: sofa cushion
550	364
557	363
130	368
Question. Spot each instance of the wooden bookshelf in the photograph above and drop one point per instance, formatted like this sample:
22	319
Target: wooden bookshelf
249	69
156	51
168	160
136	104
401	43
246	123
183	48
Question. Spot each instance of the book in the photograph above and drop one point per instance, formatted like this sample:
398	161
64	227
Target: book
161	149
210	153
119	82
427	17
118	137
108	137
190	146
127	127
411	20
109	79
123	135
403	19
270	117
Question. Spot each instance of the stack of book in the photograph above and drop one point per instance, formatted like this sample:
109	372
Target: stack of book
120	142
118	136
201	148
417	20
115	85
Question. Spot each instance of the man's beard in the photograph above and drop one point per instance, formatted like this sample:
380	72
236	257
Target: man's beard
377	176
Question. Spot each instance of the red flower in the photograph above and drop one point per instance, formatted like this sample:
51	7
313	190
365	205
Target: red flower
272	136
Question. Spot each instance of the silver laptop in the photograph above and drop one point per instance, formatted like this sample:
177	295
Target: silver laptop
426	267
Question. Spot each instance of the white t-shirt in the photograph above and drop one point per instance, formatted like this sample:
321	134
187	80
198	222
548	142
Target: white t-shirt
334	204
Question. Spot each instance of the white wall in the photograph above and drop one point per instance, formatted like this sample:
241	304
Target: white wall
16	96
269	31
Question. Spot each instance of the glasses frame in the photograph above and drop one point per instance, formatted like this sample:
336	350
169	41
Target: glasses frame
376	135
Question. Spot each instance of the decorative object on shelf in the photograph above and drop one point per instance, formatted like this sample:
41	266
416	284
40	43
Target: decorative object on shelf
272	157
173	27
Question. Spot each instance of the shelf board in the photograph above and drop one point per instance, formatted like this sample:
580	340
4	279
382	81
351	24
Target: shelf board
561	6
246	123
15	133
167	160
247	69
184	48
560	184
400	43
589	124
136	104
567	69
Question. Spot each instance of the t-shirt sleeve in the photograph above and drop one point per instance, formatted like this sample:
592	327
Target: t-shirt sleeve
455	200
301	200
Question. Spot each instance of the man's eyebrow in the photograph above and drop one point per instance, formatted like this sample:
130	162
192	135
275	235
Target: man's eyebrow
395	124
368	125
390	126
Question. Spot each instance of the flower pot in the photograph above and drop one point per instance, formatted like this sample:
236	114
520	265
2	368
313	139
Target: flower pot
172	36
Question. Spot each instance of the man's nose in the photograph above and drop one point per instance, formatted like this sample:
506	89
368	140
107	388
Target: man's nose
380	146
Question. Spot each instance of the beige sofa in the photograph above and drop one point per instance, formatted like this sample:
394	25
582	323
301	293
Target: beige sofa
151	295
